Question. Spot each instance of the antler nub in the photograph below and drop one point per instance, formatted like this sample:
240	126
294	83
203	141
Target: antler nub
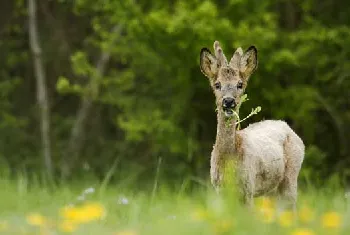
219	53
235	60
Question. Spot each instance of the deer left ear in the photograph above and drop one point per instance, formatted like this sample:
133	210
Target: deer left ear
208	64
249	62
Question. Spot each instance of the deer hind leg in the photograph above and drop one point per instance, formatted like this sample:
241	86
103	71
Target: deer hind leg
248	200
288	192
294	154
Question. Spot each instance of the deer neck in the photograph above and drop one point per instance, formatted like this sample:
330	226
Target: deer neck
225	135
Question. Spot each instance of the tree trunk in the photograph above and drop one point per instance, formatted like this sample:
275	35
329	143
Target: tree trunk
42	97
78	129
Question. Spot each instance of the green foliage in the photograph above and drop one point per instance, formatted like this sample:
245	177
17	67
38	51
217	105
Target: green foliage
255	111
151	99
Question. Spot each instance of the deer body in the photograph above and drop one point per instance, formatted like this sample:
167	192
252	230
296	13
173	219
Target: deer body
268	155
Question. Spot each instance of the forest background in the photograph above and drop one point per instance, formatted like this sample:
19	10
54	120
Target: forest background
114	87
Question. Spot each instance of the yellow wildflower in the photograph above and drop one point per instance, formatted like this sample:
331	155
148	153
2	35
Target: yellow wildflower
126	232
265	203
331	220
302	231
94	211
67	226
267	215
286	219
36	219
83	214
3	226
70	213
306	215
200	215
265	207
222	226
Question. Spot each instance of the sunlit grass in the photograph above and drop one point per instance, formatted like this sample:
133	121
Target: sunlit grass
76	210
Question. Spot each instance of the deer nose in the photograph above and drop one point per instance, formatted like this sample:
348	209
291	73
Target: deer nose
228	103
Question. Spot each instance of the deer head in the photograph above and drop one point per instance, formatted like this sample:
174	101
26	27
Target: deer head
228	79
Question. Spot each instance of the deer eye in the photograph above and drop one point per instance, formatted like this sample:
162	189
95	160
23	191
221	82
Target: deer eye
240	85
217	85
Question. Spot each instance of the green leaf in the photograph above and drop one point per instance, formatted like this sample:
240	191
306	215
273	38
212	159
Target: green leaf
62	84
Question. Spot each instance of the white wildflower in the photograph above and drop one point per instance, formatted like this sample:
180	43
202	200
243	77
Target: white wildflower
123	200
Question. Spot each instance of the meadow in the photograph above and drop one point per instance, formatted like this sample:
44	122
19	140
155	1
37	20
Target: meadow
85	208
85	84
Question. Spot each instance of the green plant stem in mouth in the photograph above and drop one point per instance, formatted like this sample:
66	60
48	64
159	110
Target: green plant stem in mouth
229	118
253	112
236	113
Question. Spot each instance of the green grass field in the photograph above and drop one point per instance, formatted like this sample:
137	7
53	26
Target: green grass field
111	210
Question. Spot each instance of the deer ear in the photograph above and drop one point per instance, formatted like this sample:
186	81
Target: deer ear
208	64
236	58
249	62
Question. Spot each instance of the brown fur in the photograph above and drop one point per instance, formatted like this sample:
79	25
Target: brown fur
268	155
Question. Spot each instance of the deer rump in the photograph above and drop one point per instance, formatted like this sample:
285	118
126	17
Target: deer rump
271	155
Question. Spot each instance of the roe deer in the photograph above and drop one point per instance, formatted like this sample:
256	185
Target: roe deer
268	155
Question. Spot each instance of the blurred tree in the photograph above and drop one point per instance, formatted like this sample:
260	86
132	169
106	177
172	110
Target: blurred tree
124	81
41	88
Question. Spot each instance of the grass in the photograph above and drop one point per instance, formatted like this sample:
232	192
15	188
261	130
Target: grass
86	209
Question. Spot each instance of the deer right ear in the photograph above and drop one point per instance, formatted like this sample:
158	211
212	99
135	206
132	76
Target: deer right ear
249	62
208	64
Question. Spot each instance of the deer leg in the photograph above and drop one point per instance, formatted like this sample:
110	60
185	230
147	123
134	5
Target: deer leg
215	178
288	192
248	200
288	188
247	189
294	154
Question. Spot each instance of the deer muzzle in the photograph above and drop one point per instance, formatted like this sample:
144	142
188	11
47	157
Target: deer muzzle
228	105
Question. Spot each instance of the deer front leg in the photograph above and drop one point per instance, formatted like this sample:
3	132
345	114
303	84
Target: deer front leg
215	177
246	185
216	170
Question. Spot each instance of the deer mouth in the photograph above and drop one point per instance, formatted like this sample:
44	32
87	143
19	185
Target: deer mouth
228	105
228	112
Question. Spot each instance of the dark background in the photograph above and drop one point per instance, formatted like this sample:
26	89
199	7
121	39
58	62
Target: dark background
126	95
